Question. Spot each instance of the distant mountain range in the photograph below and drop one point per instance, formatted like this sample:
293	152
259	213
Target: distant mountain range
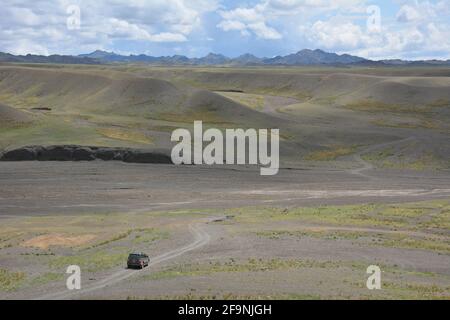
304	57
31	58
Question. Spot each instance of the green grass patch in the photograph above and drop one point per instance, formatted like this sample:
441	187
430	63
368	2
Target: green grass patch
410	242
253	101
411	291
115	238
46	278
378	239
251	265
378	106
125	135
10	280
230	296
328	235
92	261
149	235
440	103
409	216
330	154
425	124
387	158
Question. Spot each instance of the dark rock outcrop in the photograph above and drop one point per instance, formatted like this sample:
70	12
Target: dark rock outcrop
85	153
22	154
54	153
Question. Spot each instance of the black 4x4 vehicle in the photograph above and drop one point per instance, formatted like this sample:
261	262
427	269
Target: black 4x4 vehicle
138	260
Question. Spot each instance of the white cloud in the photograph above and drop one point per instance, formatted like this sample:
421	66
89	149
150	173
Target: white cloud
438	37
228	25
24	46
263	31
244	14
289	5
41	25
24	16
247	21
331	35
415	28
258	18
351	38
407	14
125	30
168	37
423	11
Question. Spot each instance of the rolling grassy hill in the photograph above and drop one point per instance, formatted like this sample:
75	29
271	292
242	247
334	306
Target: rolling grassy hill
324	114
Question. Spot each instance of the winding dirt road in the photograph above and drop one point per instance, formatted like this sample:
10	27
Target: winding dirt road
365	165
201	238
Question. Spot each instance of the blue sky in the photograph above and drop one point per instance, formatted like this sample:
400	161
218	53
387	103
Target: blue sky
372	29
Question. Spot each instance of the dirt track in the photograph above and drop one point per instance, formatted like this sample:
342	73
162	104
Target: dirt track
60	189
366	166
201	238
119	187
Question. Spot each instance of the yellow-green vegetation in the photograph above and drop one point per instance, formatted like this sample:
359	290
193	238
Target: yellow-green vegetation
47	278
250	100
411	291
229	296
379	155
349	290
332	153
322	234
439	220
401	284
10	280
424	123
338	215
7	239
420	225
92	261
378	106
407	216
414	242
368	238
440	103
93	130
189	117
279	89
397	282
125	135
388	158
48	132
330	100
251	265
398	290
149	235
109	239
104	225
114	238
137	236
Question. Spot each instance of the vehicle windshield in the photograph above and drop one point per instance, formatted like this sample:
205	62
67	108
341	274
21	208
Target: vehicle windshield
134	256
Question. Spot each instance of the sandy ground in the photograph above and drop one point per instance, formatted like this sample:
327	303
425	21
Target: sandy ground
33	188
213	253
